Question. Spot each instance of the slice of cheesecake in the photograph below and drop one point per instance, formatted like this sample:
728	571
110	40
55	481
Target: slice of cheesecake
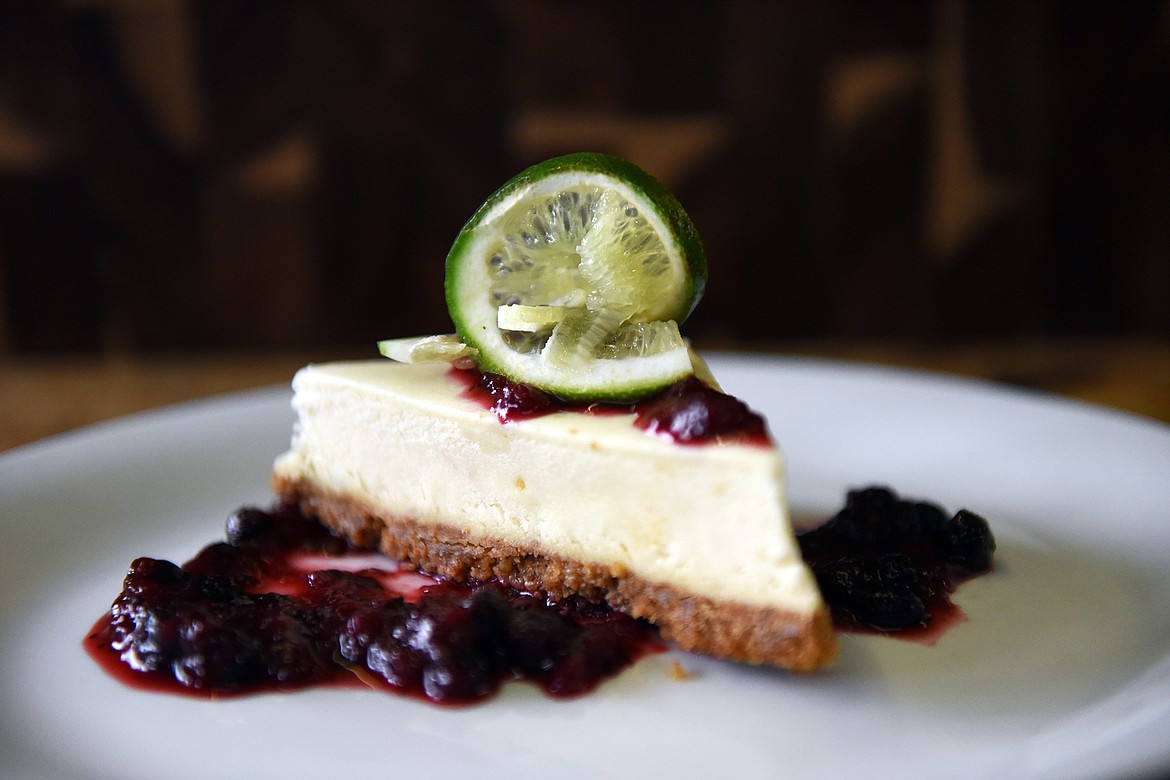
695	538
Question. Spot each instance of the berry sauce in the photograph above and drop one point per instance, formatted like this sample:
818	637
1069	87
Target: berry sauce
691	412
282	604
889	565
687	412
509	400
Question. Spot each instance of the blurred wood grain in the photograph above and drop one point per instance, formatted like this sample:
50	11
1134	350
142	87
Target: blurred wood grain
191	175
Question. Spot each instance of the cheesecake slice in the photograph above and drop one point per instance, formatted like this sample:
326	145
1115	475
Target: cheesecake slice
695	538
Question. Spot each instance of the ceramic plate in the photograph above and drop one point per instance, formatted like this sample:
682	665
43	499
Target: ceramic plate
1061	671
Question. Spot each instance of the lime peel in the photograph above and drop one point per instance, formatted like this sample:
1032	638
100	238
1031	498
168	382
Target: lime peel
573	278
447	348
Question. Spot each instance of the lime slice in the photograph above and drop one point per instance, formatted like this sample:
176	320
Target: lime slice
426	349
573	277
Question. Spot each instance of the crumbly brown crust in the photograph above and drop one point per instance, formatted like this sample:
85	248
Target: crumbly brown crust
731	630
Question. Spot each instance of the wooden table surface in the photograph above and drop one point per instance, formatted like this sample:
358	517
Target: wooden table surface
46	396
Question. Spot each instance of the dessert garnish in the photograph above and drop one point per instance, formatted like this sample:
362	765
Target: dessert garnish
890	564
573	278
282	604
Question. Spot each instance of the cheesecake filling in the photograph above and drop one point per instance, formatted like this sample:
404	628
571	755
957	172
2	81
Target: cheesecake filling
400	438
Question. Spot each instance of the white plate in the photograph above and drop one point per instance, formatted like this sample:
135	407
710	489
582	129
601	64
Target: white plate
1062	671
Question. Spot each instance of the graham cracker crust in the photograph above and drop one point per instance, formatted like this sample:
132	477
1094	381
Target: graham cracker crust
729	630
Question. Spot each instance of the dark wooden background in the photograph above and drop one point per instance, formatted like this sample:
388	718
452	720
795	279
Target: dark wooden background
190	174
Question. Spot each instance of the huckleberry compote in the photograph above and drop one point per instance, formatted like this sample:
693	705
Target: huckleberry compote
245	615
889	564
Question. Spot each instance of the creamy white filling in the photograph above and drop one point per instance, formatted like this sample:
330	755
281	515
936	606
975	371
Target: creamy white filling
712	519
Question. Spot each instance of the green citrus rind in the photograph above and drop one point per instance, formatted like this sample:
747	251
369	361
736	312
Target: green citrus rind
624	379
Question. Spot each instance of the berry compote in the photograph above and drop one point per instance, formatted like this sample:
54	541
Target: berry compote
887	564
282	604
506	399
687	412
691	412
